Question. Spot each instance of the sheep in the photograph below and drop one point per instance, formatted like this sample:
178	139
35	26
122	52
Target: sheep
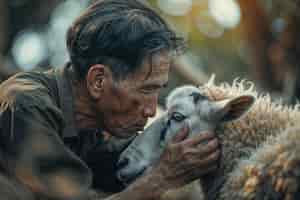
186	105
247	142
239	176
271	172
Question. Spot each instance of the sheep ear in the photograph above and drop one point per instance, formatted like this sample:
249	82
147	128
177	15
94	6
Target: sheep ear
232	109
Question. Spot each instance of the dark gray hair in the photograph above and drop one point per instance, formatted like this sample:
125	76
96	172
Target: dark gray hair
119	34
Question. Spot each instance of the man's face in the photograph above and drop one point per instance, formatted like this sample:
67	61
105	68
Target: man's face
126	105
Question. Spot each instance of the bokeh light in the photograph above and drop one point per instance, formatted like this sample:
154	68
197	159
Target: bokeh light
60	21
29	49
175	7
208	26
278	25
226	12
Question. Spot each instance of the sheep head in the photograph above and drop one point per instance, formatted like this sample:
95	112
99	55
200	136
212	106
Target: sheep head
186	106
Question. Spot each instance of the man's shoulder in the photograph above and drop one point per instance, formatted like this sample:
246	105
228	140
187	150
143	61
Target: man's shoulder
29	89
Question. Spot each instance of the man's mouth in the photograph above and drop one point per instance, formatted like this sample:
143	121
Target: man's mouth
140	126
137	128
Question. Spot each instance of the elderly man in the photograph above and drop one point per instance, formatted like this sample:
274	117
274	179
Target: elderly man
53	124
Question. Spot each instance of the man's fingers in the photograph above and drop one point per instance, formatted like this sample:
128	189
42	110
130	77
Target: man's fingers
201	161
196	173
203	150
208	148
183	133
198	139
209	160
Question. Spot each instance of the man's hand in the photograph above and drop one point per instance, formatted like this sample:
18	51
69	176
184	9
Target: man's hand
185	160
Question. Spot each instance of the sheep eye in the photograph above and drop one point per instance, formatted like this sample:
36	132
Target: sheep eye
178	116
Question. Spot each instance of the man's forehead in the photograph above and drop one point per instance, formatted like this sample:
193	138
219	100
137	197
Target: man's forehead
156	66
157	63
159	68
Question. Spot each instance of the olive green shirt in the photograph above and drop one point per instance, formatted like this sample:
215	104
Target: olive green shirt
39	144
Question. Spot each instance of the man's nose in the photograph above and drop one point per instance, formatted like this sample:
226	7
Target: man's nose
150	107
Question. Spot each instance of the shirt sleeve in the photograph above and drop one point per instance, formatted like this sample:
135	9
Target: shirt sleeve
37	156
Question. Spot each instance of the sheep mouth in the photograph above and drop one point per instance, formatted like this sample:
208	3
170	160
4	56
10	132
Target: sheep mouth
127	177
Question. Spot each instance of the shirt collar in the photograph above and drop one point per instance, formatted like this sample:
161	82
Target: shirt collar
66	100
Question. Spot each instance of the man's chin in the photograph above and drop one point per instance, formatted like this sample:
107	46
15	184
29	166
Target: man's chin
125	132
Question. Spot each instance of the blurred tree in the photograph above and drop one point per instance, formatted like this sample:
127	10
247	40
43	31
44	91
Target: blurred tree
3	25
274	45
284	54
27	13
256	29
3	35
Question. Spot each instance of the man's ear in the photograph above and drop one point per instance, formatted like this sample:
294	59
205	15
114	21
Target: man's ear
95	80
232	109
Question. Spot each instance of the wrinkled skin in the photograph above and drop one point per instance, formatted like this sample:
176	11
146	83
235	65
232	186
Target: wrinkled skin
121	107
187	109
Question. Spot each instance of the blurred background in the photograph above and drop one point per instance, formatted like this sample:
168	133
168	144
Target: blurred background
252	39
